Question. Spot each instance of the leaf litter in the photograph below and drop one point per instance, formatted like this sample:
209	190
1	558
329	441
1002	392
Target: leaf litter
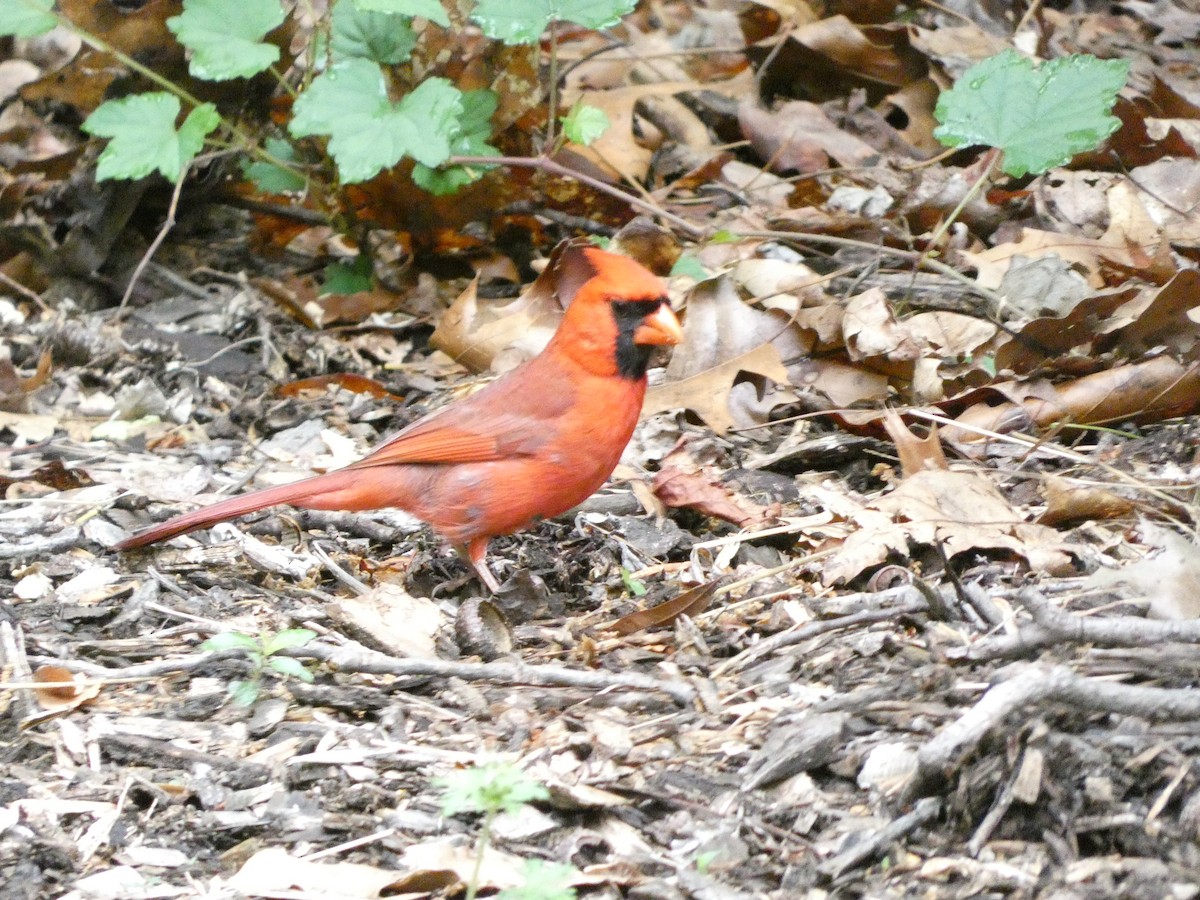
808	671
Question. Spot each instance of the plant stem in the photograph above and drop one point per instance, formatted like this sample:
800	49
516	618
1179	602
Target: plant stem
485	837
552	100
970	195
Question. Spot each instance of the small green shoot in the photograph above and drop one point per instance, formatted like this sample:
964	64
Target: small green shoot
367	131
261	653
635	587
1037	118
348	278
426	9
690	267
543	881
28	19
271	178
489	789
382	37
584	124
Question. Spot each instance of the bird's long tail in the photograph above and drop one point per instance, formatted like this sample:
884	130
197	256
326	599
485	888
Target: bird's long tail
334	490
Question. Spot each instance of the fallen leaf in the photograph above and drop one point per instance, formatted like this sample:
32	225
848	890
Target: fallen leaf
723	338
1169	579
1067	502
961	511
916	454
347	381
389	619
691	602
682	482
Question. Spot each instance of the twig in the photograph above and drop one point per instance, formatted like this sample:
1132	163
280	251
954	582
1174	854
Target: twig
1033	684
360	659
876	844
168	224
913	602
65	540
1054	626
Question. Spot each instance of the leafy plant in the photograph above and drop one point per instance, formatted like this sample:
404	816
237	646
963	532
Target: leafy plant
362	102
261	651
348	102
492	789
1036	117
543	881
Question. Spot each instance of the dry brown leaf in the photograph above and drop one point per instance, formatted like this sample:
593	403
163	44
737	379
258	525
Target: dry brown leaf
64	690
682	482
346	381
799	137
1067	502
722	338
1083	253
389	619
1146	392
498	336
1169	189
1167	320
1169	579
843	384
961	511
691	602
15	389
916	454
273	871
708	393
1043	339
617	151
871	330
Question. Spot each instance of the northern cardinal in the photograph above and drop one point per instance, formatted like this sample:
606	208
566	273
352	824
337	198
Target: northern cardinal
530	445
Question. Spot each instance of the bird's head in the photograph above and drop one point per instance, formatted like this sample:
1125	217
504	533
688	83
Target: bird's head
618	312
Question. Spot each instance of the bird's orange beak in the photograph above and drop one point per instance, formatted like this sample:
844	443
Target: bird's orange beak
660	328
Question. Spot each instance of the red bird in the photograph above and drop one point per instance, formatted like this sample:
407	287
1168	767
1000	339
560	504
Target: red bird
530	445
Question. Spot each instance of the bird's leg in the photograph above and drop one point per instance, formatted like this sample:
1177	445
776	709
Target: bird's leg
475	552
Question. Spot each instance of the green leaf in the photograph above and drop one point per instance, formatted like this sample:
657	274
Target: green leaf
271	178
426	9
523	21
543	881
230	640
225	36
348	278
583	124
26	18
367	132
291	637
381	37
293	668
1039	118
635	587
723	236
243	693
490	788
143	138
469	138
690	266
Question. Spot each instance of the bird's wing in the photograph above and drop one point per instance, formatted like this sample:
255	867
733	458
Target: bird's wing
509	418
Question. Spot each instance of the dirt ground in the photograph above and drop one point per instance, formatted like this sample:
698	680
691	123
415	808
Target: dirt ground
994	734
803	658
